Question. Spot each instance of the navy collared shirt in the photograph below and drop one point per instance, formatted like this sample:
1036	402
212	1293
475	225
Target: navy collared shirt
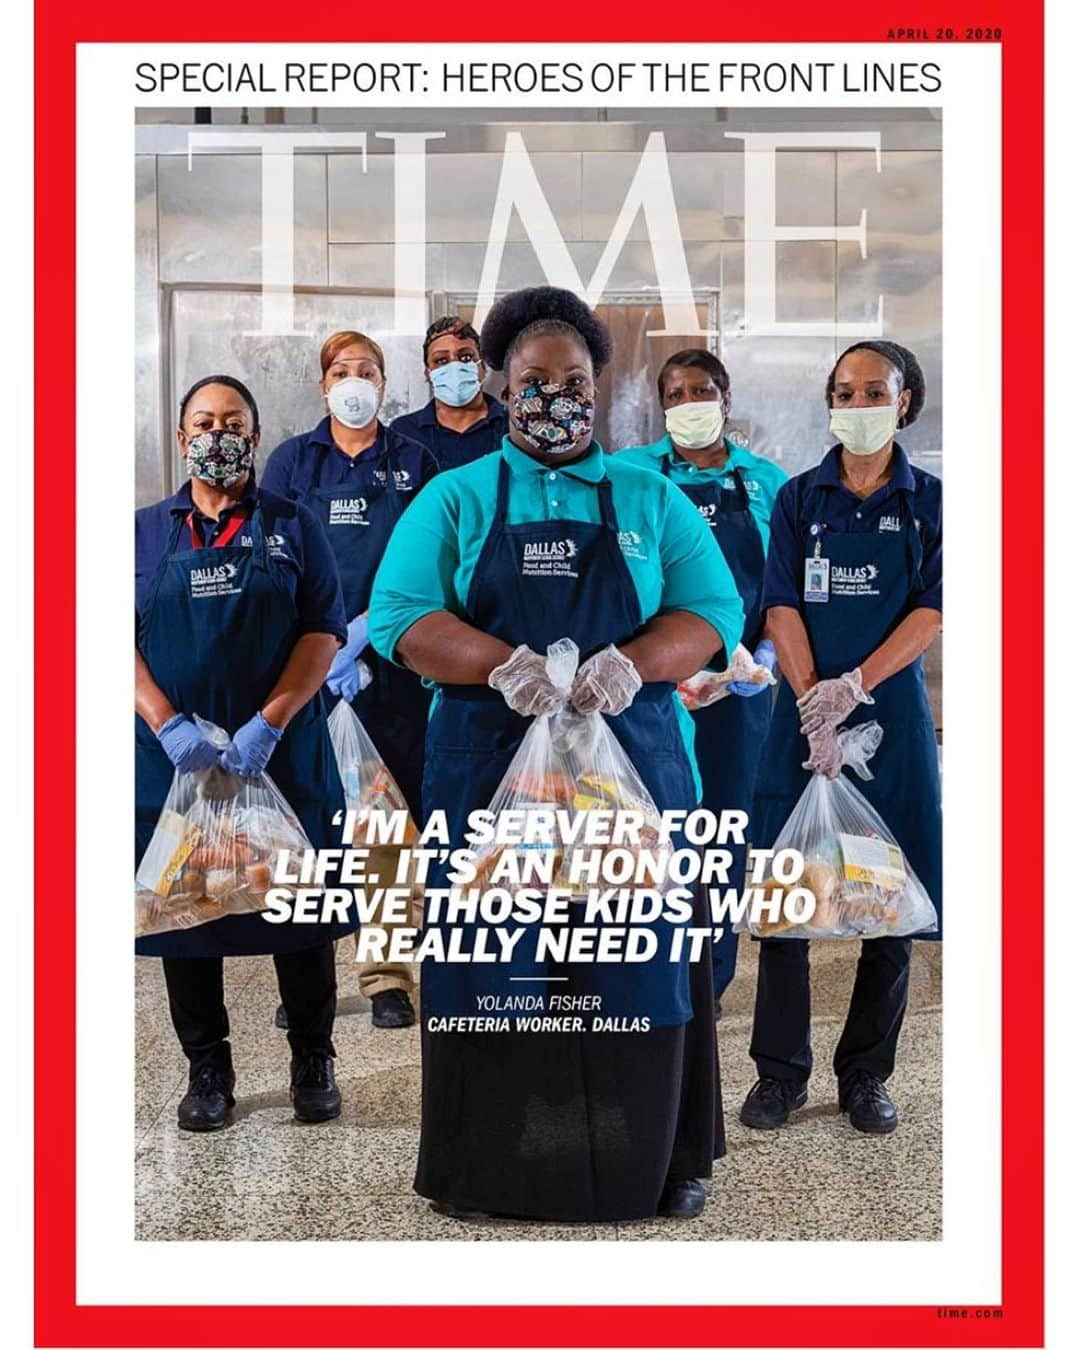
312	460
295	542
453	448
843	512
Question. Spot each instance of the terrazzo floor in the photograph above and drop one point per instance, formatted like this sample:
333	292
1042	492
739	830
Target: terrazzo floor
266	1177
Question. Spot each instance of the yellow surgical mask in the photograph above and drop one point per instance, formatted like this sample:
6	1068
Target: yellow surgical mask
863	431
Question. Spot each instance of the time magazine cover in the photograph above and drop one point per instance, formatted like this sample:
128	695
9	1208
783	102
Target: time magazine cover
563	820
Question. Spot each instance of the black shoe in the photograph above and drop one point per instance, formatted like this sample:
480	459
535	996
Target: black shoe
681	1200
771	1101
281	1018
392	1008
208	1100
717	1010
867	1104
313	1091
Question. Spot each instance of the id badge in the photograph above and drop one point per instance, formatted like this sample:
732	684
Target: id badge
816	585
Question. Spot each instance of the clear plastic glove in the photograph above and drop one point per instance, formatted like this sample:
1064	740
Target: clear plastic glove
524	683
249	751
826	753
188	749
605	683
830	701
764	655
343	678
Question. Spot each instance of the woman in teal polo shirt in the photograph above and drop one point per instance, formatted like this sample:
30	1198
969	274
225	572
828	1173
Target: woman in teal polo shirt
593	1125
734	491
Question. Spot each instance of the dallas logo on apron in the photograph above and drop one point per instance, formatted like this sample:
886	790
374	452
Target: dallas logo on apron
208	581
549	558
854	580
348	511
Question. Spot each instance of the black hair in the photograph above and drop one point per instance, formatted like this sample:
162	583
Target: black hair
697	358
542	309
903	361
450	323
230	383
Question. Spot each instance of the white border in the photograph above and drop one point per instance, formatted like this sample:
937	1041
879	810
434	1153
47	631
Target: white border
964	1267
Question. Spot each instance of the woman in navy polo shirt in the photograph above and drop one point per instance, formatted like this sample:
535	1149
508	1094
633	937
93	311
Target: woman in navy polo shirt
552	538
358	476
253	662
735	491
461	422
853	600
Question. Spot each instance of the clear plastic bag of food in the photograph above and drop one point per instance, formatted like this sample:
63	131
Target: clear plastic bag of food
571	762
370	789
863	885
708	686
215	847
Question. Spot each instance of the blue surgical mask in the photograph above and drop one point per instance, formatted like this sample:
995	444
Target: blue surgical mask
455	383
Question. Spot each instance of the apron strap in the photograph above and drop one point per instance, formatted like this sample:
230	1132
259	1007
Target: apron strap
607	505
391	484
914	545
740	488
174	535
502	493
258	539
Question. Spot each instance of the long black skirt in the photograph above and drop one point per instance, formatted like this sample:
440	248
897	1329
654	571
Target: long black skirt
577	1128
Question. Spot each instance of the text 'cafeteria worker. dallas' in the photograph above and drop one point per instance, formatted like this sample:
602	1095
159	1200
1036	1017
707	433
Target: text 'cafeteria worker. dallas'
598	1126
358	476
734	490
250	656
853	600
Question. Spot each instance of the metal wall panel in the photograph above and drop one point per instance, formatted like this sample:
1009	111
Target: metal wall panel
371	266
149	460
778	383
461	192
211	225
903	206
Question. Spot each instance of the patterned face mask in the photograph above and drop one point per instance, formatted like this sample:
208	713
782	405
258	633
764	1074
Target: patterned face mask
552	417
220	457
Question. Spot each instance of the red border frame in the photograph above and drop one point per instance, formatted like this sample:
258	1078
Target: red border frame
59	1320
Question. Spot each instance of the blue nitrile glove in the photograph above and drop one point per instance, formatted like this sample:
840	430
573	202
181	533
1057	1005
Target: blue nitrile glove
764	655
249	751
186	746
343	678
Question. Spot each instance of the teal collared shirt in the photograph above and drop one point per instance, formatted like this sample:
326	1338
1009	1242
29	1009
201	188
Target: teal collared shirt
762	477
429	562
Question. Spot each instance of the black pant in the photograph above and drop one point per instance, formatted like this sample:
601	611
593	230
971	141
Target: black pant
307	983
780	1045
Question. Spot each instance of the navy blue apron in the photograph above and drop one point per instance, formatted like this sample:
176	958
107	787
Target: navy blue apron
473	736
729	735
216	633
872	577
358	521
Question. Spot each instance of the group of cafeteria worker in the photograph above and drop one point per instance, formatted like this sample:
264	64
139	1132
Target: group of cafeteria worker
393	566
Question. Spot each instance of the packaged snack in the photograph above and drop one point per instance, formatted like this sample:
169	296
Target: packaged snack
370	790
569	762
707	686
862	884
214	848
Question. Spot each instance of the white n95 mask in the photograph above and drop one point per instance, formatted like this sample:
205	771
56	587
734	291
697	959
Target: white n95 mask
693	426
863	431
353	401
